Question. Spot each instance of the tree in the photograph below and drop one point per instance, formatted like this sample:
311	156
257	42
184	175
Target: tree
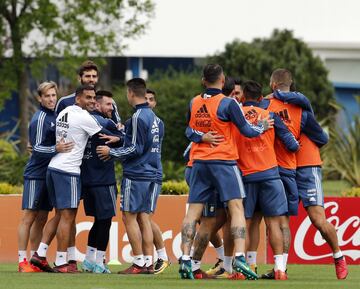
257	60
47	30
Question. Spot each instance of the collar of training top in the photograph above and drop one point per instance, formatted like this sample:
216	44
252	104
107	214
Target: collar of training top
251	102
43	108
141	105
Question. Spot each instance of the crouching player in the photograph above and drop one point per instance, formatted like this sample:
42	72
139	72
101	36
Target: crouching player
35	202
99	187
139	188
257	161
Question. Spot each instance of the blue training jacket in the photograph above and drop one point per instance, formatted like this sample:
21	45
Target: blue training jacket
68	100
42	139
95	172
141	152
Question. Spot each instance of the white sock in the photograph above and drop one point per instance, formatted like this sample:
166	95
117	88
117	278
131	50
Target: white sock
192	251
279	263
228	264
148	260
22	255
139	260
237	254
100	257
220	252
195	265
42	250
162	254
90	254
60	258
185	257
31	253
71	253
337	255
285	256
251	257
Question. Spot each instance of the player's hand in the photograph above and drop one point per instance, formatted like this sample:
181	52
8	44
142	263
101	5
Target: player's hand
267	122
103	152
212	138
29	148
120	126
110	138
64	147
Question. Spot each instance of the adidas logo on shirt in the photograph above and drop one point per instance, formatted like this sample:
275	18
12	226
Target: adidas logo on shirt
63	121
154	127
251	114
202	112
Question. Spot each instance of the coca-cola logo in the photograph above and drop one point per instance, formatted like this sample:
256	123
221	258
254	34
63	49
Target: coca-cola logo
310	245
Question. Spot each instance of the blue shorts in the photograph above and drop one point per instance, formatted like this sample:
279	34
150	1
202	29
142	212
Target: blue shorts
139	196
292	194
308	181
269	196
100	201
210	206
64	189
35	196
208	178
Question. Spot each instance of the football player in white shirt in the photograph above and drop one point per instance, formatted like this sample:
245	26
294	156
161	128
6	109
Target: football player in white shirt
73	124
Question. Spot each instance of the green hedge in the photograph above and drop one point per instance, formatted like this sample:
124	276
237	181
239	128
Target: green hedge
174	188
8	189
353	192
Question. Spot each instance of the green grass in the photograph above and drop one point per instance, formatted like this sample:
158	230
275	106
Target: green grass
300	277
335	188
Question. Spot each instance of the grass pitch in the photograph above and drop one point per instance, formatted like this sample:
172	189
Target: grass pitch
300	277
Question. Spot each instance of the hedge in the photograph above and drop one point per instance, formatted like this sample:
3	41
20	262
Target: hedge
168	188
8	189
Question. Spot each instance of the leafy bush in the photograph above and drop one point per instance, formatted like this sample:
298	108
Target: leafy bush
173	170
174	188
353	192
7	189
342	154
12	164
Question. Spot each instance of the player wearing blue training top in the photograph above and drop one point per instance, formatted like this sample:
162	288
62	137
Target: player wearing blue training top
88	73
42	140
99	187
139	187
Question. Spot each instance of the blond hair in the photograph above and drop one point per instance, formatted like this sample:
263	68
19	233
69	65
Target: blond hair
45	86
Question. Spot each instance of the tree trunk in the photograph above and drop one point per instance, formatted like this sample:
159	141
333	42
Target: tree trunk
23	109
21	79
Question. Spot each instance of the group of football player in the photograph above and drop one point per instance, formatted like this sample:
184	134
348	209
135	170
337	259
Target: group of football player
250	158
74	143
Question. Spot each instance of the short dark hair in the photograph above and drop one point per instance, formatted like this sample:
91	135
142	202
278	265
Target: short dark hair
137	86
101	93
212	72
282	77
87	65
80	89
148	90
252	90
238	81
229	86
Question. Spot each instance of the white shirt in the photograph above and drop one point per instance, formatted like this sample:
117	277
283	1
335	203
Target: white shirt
73	124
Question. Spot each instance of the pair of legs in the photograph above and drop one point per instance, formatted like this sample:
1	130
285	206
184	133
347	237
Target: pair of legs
31	229
139	230
237	225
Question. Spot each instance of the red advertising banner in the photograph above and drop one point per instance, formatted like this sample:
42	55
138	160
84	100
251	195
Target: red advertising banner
309	247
